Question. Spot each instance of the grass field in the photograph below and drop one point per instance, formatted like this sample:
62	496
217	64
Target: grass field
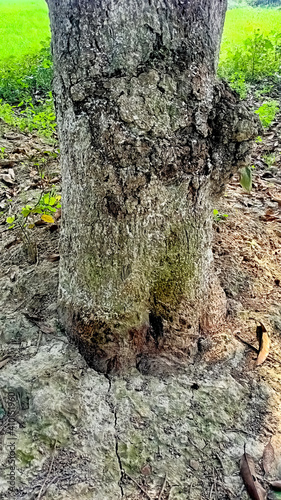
241	23
24	24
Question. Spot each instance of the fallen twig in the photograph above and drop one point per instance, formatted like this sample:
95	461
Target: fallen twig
48	474
138	485
163	487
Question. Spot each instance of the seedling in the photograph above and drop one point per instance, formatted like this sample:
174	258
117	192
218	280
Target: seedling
269	159
219	217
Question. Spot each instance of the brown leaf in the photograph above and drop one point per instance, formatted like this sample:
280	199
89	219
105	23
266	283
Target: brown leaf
53	257
275	485
4	361
264	346
57	215
268	457
247	471
45	328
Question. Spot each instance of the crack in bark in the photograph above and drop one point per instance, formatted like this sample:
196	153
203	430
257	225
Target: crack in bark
114	411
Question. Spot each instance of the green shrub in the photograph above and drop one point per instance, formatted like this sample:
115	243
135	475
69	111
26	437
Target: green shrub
29	77
28	117
257	58
267	112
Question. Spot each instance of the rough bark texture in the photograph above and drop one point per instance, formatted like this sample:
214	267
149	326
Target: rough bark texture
148	139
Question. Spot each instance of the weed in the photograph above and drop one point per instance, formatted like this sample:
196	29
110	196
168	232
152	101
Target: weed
267	112
269	159
219	217
46	206
27	117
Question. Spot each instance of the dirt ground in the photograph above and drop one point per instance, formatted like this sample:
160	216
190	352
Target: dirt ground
77	434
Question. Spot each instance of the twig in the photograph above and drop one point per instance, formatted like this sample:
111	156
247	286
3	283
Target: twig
138	485
246	343
163	487
270	357
38	341
48	474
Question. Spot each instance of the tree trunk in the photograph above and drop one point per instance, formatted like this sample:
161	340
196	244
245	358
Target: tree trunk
148	139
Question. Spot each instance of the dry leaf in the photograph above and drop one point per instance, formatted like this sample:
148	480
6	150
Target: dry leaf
53	257
268	457
264	343
11	173
7	178
45	328
247	471
275	485
4	361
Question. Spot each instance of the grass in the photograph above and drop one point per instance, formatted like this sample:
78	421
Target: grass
24	24
242	23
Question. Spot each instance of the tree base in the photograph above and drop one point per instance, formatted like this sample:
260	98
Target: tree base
164	340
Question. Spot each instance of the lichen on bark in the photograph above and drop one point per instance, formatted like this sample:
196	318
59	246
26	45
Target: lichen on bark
148	139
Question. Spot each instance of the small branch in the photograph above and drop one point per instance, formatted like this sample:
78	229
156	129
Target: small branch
163	487
48	474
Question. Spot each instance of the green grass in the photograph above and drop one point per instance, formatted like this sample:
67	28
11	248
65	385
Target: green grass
242	23
24	24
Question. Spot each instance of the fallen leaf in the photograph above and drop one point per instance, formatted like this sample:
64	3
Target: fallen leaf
53	257
4	361
47	218
247	471
7	178
264	343
53	227
45	328
57	215
6	163
11	173
275	485
268	457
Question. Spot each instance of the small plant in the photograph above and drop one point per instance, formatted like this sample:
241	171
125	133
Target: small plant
267	112
47	205
269	159
258	139
28	117
219	217
2	153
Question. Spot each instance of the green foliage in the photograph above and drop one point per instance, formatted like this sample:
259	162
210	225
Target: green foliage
28	117
219	217
267	112
46	206
32	76
269	159
258	57
251	47
246	178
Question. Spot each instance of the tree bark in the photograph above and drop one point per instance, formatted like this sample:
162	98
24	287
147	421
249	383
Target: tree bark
148	140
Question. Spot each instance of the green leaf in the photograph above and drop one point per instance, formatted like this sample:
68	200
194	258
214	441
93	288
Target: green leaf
52	201
25	211
10	220
246	178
